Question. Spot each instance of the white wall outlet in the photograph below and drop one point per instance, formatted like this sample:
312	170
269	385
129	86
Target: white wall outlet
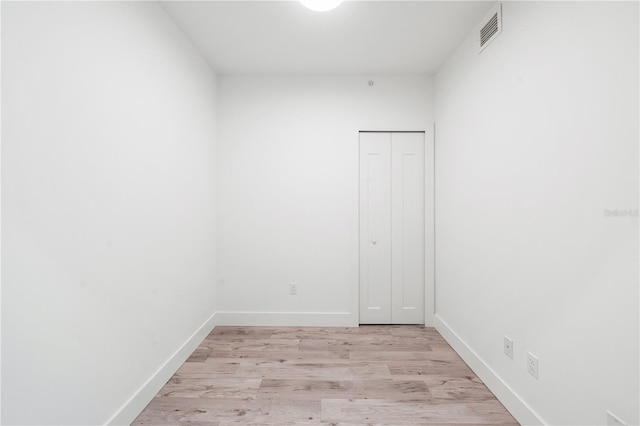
293	289
613	420
508	347
532	364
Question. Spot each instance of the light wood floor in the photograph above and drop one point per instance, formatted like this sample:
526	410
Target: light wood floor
394	375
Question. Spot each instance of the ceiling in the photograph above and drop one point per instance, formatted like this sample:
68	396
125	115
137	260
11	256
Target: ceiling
359	37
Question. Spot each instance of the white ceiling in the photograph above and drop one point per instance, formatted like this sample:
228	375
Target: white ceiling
359	37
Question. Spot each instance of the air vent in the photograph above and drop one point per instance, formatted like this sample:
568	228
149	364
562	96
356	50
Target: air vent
492	27
489	30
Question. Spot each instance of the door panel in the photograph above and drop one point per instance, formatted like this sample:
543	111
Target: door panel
375	228
407	228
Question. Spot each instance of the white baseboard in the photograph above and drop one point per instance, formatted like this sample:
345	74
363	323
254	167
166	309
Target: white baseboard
516	406
284	319
134	406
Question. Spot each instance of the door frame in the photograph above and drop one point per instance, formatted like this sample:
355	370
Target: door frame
429	225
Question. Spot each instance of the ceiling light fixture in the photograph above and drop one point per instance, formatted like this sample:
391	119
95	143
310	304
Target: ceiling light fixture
321	5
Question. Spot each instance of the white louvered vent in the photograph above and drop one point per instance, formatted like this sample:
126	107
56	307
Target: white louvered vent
492	27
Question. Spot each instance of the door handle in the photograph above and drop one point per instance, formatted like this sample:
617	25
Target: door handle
374	242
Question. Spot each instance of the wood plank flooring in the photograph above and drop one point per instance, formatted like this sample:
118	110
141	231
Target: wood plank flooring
385	375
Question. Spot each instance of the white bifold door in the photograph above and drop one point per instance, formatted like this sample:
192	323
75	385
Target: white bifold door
392	225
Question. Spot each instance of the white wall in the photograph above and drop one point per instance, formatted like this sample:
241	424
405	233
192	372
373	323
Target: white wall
535	139
288	190
108	197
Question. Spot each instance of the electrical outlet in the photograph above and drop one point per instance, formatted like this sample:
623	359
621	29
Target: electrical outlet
532	364
508	347
613	420
293	289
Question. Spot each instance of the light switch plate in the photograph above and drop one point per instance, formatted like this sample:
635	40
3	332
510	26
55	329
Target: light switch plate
532	364
508	347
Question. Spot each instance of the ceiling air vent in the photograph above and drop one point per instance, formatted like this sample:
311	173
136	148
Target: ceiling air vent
492	27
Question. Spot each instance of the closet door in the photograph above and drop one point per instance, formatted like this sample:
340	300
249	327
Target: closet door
407	228
392	228
375	228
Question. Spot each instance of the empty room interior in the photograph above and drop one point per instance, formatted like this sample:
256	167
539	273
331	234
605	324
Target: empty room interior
462	174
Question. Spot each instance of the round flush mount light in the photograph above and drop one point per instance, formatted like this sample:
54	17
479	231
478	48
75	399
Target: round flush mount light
321	5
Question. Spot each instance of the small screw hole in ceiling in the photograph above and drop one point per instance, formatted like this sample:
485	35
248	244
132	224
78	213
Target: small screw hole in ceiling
321	5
